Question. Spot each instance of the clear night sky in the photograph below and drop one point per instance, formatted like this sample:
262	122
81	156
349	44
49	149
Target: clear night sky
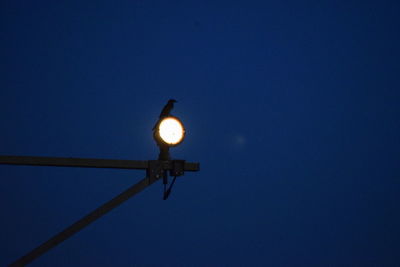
291	107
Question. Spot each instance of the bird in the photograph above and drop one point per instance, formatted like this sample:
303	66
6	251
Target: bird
167	108
166	111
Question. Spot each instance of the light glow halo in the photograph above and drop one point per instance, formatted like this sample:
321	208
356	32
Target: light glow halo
171	131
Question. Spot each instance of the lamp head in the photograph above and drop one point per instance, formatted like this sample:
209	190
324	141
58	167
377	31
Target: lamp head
169	131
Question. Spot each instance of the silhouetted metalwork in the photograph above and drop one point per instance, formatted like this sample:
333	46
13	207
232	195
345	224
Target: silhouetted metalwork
82	223
89	163
155	170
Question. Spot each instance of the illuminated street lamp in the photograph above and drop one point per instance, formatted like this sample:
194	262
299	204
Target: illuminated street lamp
168	132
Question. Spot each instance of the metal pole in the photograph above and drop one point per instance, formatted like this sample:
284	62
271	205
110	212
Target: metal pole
90	163
83	222
74	162
154	168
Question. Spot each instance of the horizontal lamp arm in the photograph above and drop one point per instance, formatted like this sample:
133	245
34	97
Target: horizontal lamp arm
90	163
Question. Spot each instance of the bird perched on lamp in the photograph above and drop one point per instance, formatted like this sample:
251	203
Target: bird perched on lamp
167	108
166	111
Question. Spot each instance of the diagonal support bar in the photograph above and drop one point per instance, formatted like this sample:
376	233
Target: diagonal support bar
156	169
83	222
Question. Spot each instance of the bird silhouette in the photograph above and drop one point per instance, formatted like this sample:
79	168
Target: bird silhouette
167	108
166	111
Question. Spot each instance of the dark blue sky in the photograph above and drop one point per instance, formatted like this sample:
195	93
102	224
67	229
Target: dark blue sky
291	107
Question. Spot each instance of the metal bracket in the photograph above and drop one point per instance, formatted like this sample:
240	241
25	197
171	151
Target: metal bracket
155	170
177	168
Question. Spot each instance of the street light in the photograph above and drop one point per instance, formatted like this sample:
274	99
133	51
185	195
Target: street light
169	131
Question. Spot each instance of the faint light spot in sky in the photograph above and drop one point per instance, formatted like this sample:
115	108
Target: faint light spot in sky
239	140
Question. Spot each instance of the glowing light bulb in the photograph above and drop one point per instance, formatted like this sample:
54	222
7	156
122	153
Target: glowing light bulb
171	131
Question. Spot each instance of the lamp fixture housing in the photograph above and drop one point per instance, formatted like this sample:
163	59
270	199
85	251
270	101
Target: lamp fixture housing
169	131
